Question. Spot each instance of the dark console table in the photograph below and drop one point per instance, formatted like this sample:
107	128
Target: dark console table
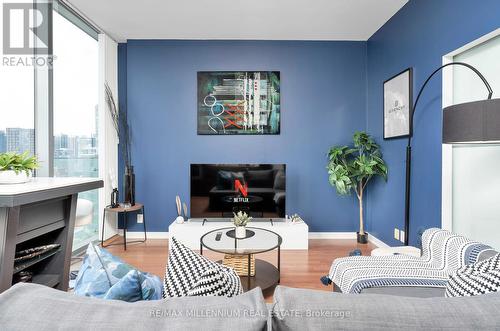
37	213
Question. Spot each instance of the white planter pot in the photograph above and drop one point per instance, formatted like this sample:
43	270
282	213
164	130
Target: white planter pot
10	177
240	232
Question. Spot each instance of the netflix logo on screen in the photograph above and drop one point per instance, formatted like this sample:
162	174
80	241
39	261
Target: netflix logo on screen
242	190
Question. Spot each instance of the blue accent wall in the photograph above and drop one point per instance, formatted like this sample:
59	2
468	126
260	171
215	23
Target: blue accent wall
329	90
323	86
418	36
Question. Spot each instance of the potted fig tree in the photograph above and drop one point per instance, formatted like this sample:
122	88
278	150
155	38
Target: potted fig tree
350	168
16	168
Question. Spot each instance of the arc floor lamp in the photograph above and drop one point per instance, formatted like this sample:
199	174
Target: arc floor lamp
466	123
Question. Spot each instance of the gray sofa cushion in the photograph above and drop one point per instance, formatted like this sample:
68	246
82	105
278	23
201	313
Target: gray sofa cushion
402	291
36	307
407	291
486	254
299	309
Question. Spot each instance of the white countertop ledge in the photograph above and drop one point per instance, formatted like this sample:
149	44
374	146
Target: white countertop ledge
41	188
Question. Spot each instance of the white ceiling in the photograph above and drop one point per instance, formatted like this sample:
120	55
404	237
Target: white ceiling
239	19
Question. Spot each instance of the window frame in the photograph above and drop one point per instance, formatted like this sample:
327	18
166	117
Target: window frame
44	88
44	93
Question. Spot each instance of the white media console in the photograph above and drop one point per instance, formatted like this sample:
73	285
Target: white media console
294	235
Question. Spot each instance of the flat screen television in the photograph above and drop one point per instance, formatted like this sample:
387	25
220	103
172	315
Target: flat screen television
218	190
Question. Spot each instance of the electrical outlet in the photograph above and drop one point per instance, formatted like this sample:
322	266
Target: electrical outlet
396	233
140	218
402	236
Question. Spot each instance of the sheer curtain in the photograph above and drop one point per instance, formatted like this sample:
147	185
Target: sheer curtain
476	168
108	163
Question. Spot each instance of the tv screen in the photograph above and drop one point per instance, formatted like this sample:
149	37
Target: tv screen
219	190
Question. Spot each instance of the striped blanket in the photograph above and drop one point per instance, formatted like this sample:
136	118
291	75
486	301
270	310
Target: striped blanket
442	254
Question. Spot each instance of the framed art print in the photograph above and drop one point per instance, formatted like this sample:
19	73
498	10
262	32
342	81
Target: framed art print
398	102
239	102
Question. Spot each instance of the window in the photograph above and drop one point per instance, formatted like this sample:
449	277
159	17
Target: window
75	99
52	110
475	175
17	116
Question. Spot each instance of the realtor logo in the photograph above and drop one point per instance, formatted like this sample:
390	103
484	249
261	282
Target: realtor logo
240	188
25	28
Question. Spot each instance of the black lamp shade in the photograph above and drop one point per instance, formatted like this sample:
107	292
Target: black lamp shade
472	122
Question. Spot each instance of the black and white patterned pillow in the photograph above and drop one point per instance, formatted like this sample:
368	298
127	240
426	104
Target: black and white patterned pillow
213	282
475	279
190	274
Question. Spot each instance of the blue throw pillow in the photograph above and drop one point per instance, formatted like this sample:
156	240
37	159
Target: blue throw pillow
104	275
126	289
135	286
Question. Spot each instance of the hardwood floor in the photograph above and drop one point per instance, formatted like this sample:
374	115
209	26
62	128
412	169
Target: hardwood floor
299	268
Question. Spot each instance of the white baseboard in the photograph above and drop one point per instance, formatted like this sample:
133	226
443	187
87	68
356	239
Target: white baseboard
150	235
332	235
346	235
312	235
377	242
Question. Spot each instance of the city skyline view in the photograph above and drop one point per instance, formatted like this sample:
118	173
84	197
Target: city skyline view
21	140
75	90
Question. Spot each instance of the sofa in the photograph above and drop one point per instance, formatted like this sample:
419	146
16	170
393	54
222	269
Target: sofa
443	253
35	307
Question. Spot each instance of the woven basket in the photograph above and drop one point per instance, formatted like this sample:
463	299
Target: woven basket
240	263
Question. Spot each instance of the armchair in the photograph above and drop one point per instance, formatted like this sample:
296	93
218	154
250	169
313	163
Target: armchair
442	254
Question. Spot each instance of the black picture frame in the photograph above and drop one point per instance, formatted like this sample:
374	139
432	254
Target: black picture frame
398	92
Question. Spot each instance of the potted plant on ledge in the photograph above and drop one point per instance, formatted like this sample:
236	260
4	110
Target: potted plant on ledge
16	168
351	168
240	220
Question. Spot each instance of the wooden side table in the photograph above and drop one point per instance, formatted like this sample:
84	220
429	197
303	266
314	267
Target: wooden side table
118	210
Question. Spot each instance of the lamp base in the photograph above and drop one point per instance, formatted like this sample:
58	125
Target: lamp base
362	238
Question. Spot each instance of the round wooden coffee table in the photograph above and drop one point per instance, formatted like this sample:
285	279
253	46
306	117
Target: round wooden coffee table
259	273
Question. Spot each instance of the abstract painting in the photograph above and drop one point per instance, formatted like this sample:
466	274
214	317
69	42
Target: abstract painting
239	102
